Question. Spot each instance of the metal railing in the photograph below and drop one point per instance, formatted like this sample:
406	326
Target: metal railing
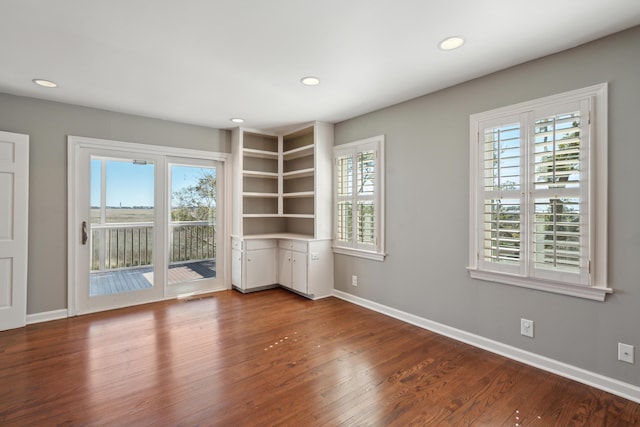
130	245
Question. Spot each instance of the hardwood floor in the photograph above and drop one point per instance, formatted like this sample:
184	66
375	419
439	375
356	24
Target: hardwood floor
274	358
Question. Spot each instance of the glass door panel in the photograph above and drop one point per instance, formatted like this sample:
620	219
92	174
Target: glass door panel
192	226
122	222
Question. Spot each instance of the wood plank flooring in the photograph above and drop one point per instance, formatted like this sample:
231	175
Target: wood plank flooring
274	358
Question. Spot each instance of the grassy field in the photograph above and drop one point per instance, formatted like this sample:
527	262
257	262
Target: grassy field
123	215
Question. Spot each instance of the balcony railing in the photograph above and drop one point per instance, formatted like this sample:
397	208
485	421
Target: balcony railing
127	245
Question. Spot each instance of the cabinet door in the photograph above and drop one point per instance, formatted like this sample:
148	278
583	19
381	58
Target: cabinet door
299	271
284	270
236	268
261	267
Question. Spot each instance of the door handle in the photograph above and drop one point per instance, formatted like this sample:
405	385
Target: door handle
85	236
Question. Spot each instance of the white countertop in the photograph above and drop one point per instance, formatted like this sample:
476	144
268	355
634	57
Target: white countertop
289	236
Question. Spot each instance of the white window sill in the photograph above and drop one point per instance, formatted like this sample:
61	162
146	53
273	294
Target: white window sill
376	256
588	292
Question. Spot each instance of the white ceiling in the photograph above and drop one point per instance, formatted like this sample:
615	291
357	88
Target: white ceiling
205	61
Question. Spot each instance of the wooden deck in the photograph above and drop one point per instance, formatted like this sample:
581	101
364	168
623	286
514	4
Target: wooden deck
135	279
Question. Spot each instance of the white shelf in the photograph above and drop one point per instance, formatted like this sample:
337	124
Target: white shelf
289	236
260	195
307	150
275	215
298	194
261	154
298	173
260	174
265	215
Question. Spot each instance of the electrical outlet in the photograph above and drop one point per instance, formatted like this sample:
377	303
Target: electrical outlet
526	328
354	280
625	352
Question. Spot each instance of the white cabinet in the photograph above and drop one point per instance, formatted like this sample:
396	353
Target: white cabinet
254	266
306	266
296	263
261	268
292	272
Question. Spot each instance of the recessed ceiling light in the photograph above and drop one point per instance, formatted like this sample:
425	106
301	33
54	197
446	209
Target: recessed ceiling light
451	43
310	81
237	120
45	83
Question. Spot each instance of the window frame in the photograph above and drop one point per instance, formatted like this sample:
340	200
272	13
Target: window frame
594	286
374	251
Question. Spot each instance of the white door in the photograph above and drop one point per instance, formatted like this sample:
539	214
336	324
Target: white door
119	209
193	235
14	206
299	271
261	267
284	272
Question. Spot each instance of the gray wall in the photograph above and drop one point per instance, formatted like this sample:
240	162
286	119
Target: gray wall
48	124
427	191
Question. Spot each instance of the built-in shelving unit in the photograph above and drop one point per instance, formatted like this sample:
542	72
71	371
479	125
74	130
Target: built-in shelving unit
282	193
281	179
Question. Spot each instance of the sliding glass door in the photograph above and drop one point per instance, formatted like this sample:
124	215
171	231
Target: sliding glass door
121	230
147	227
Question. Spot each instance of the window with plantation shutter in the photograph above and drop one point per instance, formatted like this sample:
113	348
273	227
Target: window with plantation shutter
559	176
538	194
501	188
344	196
359	198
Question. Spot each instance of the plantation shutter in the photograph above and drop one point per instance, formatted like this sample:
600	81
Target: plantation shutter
559	193
501	231
365	198
356	195
344	196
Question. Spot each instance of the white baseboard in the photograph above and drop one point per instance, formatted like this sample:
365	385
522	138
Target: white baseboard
619	388
46	316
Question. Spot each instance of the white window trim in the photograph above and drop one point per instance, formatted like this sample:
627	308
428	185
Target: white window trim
598	289
378	254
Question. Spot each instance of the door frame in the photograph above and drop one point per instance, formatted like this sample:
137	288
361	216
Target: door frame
75	144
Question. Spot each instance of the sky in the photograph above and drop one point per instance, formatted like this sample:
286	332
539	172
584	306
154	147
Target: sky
131	184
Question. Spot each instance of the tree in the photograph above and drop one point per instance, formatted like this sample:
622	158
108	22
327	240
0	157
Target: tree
196	202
